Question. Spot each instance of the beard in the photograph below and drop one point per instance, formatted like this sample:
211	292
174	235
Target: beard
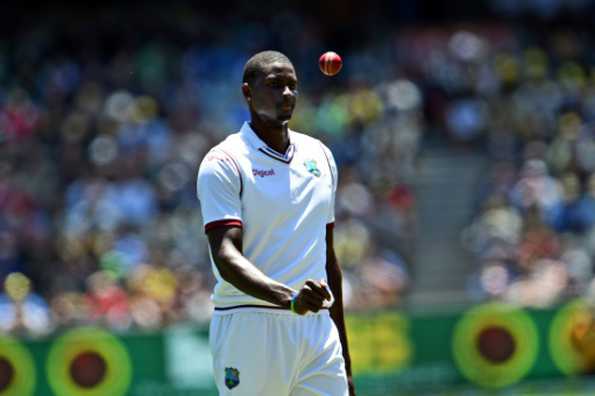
280	118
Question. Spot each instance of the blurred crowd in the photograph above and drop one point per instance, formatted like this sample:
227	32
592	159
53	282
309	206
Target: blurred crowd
99	148
529	102
103	125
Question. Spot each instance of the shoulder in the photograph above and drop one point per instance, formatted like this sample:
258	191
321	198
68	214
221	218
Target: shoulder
231	148
217	172
312	143
233	145
222	157
302	138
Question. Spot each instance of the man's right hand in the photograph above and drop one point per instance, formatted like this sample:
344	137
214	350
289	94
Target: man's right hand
311	297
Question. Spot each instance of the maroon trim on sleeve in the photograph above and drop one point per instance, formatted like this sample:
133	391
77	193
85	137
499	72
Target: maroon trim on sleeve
330	226
223	223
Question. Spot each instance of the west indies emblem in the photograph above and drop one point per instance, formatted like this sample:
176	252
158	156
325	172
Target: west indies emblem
232	377
312	167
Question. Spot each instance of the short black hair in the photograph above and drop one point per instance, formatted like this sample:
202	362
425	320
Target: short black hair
256	64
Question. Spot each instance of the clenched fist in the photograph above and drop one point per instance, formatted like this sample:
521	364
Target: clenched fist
311	297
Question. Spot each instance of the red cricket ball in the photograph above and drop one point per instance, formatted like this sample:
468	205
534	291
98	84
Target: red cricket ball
330	63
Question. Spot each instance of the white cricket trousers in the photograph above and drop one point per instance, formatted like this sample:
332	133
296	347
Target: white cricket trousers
263	352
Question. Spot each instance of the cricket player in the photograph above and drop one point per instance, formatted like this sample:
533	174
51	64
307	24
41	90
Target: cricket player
267	198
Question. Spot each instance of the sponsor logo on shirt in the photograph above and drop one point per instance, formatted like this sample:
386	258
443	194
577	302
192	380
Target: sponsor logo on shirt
263	172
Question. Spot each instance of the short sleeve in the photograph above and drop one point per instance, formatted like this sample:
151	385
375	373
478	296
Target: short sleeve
219	189
335	177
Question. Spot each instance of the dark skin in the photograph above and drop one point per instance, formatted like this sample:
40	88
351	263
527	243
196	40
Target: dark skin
335	278
271	99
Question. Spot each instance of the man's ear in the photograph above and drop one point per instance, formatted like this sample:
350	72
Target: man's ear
247	93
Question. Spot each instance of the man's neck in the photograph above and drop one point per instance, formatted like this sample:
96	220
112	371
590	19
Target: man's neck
276	137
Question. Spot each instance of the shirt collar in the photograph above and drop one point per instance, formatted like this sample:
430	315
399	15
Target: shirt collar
253	140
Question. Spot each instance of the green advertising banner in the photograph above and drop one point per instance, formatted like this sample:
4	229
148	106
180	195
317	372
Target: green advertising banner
490	346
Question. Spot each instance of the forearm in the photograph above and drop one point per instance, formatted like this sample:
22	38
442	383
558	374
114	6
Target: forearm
335	279
235	269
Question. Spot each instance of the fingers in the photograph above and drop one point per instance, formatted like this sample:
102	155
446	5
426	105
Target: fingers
303	305
320	288
312	296
326	289
309	299
313	303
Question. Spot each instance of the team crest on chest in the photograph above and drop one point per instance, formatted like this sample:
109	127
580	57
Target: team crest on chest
232	377
312	167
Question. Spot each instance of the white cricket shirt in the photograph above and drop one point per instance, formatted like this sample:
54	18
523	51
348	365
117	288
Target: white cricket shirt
283	202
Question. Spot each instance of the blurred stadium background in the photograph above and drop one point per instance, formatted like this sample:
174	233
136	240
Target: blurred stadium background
466	208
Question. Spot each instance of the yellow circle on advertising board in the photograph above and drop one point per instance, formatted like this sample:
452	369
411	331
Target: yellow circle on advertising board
495	344
17	370
572	338
89	362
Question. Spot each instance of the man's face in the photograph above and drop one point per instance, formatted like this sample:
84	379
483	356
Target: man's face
273	94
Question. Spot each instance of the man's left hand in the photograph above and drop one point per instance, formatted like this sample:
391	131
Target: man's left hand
350	386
